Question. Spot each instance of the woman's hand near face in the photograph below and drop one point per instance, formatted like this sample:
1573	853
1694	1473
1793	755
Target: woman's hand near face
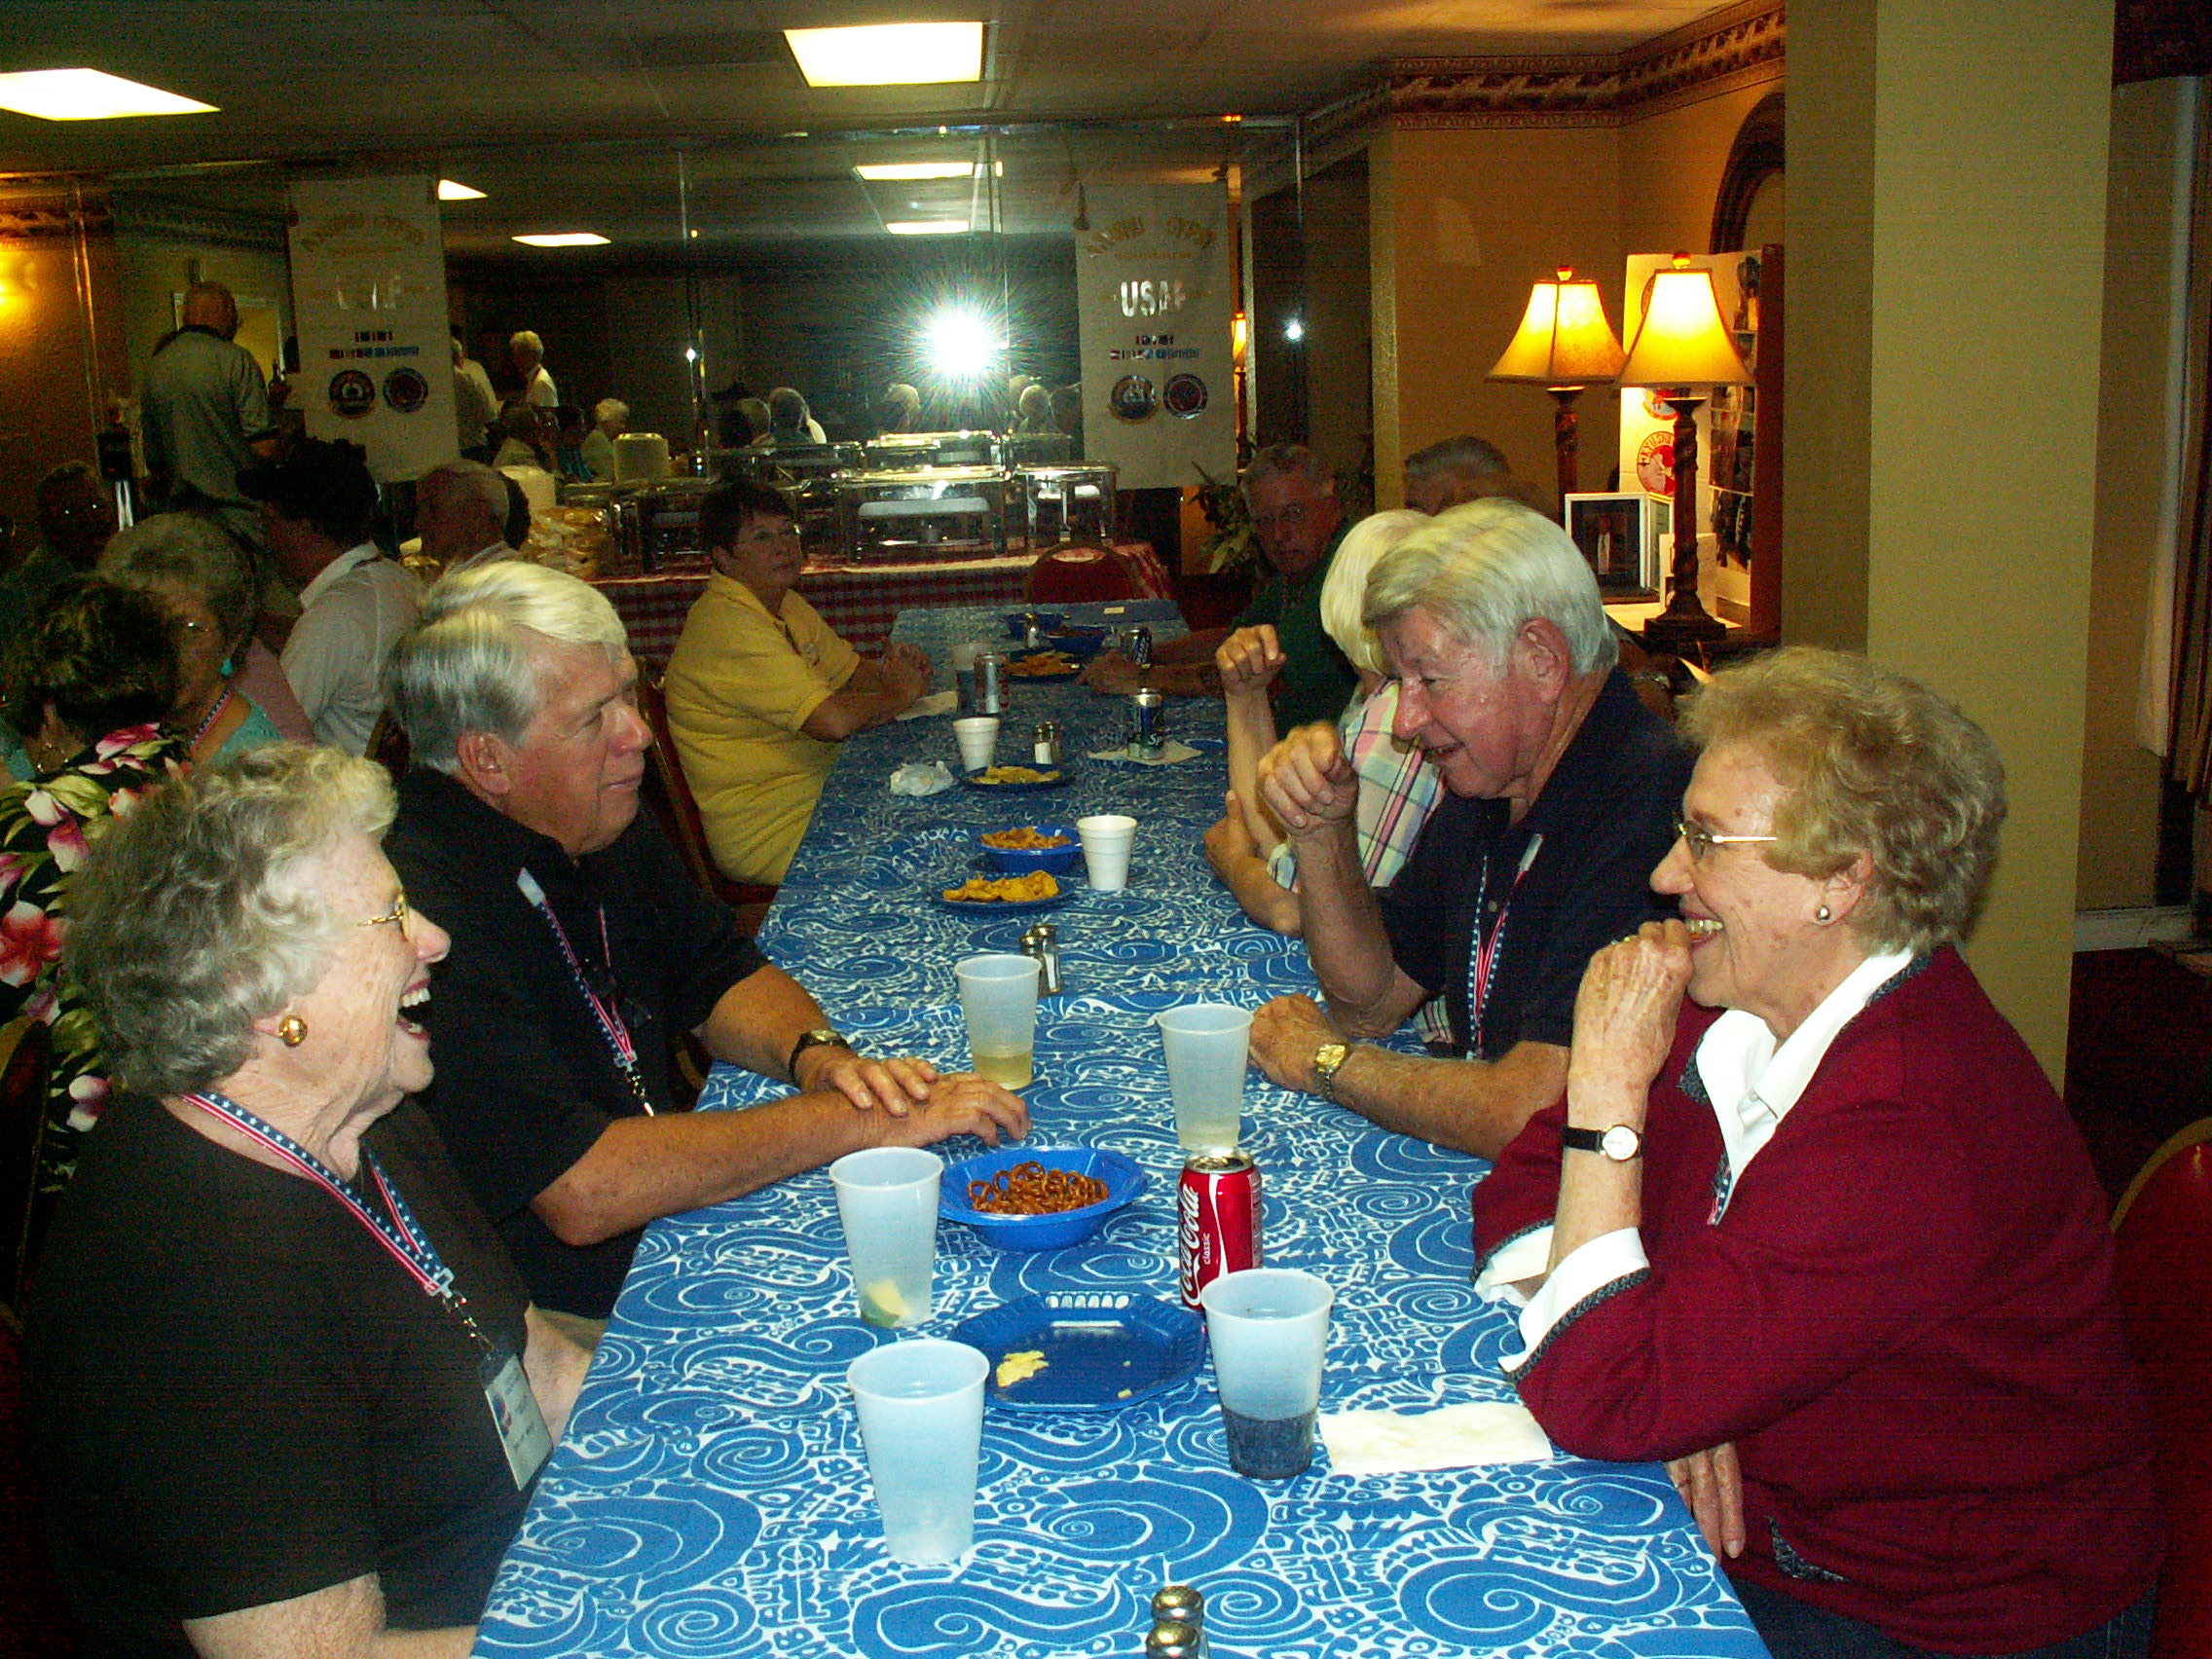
1624	1015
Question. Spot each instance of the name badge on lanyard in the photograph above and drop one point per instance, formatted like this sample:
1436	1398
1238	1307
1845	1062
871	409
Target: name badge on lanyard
521	1426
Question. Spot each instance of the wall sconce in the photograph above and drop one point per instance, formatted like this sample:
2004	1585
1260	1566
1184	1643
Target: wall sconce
1240	337
1682	351
1564	344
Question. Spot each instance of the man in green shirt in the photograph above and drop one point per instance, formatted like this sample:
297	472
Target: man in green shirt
1293	498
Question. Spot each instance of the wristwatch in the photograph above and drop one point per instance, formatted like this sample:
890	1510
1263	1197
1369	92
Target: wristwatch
821	1036
1328	1058
1620	1143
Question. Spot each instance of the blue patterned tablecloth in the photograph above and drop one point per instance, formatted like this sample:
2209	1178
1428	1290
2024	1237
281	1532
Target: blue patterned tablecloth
711	1497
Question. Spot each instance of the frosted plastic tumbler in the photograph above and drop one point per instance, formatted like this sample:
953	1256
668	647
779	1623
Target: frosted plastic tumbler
1106	840
921	1411
1206	1044
978	737
1269	1329
998	998
887	1199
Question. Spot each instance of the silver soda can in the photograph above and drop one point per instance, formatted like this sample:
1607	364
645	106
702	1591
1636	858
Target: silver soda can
1148	724
990	683
1139	640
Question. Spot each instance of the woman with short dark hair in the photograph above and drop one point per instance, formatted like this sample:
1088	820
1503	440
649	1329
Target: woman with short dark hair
87	685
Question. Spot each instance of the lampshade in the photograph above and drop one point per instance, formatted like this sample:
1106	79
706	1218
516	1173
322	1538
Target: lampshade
1563	339
1682	341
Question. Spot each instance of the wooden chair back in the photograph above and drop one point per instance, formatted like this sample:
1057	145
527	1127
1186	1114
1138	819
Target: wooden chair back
667	795
2162	1248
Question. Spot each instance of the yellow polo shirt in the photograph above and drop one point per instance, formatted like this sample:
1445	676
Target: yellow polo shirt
739	684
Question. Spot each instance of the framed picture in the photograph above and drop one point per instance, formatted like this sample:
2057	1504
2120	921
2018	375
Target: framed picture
1626	539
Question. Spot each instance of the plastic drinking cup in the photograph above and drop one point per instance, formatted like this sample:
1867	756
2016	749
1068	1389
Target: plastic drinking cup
921	1411
1106	840
998	998
1269	1329
887	1199
978	737
1206	1044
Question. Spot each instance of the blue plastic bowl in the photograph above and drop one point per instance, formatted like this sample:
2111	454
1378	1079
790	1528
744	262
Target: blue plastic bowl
1082	644
1124	1181
1020	860
1018	622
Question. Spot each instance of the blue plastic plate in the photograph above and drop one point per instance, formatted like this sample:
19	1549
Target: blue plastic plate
1059	778
1103	1350
1122	1177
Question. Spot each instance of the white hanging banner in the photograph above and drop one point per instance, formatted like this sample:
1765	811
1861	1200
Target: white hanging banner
1155	297
369	297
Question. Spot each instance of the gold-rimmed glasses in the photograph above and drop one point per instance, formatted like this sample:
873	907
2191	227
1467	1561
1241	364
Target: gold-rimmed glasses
1701	840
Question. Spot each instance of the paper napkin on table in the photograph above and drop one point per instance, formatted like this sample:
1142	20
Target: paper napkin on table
921	778
1453	1437
936	703
1167	756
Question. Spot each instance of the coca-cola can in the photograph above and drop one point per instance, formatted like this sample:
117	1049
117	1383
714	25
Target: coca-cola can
1217	1219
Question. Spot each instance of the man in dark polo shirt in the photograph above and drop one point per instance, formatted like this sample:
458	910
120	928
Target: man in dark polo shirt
1563	793
580	947
1293	498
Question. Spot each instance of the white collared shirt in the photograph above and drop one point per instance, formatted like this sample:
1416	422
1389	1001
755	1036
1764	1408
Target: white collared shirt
350	615
1753	1083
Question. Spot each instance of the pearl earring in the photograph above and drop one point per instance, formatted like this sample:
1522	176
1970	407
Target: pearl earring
1823	915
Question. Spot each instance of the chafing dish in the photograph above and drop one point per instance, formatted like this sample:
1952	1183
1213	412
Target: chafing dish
885	514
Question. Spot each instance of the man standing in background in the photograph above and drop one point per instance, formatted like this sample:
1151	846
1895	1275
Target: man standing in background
529	354
203	409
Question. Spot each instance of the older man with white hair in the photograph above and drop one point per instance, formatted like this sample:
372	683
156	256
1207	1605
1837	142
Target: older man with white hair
529	354
581	949
611	418
1561	795
461	513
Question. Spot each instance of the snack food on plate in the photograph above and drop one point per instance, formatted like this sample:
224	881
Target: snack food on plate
1031	1189
1023	840
1041	664
1020	1367
1013	775
1004	889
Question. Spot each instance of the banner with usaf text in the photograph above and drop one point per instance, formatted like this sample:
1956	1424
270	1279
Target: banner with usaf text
369	294
1155	297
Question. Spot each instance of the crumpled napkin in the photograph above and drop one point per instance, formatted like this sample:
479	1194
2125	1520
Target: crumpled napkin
921	778
936	703
1451	1437
1174	751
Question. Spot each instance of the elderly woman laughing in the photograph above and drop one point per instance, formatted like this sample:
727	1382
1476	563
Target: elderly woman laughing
287	1392
1826	1239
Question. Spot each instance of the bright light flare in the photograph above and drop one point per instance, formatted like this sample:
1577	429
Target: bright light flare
960	344
89	94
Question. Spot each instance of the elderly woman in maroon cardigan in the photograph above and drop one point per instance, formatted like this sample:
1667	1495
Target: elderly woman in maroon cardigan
1823	1236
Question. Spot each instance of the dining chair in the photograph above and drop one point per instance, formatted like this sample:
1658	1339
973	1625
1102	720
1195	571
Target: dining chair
669	798
1072	572
26	1050
2162	1262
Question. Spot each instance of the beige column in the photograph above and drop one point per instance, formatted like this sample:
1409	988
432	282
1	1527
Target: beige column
1947	172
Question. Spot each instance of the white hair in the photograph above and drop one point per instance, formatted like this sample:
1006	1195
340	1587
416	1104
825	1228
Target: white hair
525	340
1485	567
466	478
611	409
1345	589
468	665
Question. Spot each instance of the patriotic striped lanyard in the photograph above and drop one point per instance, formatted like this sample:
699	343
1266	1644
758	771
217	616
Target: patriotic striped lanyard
611	1025
1484	952
402	1236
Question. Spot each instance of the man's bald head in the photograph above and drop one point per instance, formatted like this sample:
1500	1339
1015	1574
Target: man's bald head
210	305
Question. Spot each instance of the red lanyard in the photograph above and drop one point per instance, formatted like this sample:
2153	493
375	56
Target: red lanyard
611	1025
1485	949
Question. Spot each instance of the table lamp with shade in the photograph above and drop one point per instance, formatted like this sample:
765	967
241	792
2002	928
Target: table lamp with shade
1680	353
1564	345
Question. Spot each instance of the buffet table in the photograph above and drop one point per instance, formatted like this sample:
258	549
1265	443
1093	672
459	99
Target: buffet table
858	600
711	1495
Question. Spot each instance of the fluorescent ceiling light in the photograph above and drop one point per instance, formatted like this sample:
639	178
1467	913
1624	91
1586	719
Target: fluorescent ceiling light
889	55
453	189
566	238
915	169
89	94
928	227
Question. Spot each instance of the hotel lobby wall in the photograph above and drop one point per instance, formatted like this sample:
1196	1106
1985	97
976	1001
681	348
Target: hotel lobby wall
1948	162
1461	222
61	360
2136	437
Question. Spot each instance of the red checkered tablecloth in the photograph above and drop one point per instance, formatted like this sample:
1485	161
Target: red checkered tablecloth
860	602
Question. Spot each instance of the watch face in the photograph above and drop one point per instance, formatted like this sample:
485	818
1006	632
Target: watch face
1620	1143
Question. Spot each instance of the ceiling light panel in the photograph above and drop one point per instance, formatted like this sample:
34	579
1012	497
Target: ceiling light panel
453	189
878	171
89	94
565	239
889	55
928	227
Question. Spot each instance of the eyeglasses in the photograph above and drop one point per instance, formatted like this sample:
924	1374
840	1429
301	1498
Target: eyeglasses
1702	840
398	914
